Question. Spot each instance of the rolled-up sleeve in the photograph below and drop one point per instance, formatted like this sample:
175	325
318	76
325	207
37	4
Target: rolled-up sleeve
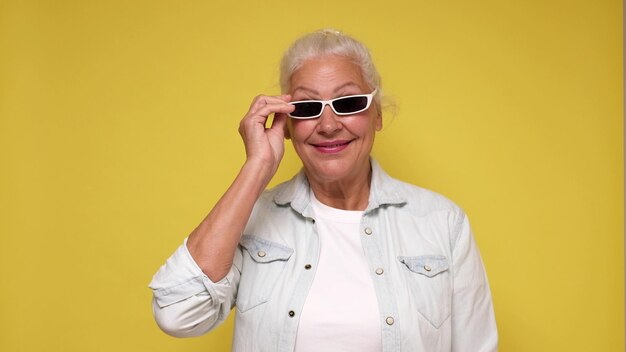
185	301
473	320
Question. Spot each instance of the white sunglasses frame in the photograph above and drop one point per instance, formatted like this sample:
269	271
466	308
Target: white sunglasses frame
369	97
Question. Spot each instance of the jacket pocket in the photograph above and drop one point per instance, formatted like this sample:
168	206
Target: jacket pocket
429	285
260	270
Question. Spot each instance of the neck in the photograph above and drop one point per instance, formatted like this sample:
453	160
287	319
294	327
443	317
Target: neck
352	194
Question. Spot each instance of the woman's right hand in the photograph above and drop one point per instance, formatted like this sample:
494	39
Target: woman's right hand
266	145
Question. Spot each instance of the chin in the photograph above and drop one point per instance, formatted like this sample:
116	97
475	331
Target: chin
333	170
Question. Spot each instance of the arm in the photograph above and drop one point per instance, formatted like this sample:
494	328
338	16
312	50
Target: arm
196	288
473	320
212	244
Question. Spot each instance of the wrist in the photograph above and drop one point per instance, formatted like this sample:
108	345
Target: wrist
260	170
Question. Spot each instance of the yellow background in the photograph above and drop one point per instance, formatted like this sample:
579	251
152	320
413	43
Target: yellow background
118	133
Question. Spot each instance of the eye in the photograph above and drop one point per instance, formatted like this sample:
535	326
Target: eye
306	109
350	104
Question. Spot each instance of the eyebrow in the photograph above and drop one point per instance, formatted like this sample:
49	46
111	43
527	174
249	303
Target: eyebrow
334	91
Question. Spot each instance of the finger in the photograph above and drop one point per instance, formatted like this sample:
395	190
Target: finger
262	100
275	108
258	119
264	110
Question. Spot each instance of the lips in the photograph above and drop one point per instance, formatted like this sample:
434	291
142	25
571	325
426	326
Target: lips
331	147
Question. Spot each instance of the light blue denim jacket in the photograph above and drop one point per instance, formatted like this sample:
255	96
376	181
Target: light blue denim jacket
432	291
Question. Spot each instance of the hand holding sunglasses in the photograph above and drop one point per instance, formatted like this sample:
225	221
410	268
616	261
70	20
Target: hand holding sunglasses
348	105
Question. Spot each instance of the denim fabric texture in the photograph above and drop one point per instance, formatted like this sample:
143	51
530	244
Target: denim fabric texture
433	294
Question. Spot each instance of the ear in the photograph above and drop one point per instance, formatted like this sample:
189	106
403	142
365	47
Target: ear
379	121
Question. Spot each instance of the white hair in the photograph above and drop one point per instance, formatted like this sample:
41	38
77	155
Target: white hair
328	42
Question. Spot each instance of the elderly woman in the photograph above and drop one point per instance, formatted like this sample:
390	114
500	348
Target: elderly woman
340	258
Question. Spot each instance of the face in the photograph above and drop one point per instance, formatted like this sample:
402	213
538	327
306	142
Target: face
333	148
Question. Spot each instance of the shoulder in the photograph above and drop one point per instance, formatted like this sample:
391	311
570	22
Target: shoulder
420	200
429	210
266	203
415	199
281	194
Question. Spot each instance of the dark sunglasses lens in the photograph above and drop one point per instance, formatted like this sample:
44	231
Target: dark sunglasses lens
350	104
306	109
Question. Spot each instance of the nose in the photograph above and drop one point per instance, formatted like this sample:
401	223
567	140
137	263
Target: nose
328	122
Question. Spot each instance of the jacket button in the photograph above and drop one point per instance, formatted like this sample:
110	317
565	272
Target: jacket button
389	321
379	271
292	313
427	268
261	254
307	267
368	231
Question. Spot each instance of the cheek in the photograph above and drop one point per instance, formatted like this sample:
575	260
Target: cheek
300	130
368	128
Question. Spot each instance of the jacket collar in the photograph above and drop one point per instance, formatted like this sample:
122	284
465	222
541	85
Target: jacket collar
297	192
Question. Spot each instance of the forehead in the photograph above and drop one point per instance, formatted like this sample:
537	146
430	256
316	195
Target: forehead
328	73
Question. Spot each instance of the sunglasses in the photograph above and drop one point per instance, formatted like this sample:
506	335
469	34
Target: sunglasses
348	105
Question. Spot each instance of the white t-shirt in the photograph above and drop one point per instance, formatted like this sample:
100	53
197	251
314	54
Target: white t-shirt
341	310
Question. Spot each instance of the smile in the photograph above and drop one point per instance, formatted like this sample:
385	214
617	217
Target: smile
331	147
